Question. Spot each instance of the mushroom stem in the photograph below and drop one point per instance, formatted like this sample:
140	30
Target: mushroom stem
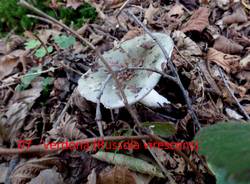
154	99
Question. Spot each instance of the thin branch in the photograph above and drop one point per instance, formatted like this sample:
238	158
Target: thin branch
232	94
98	114
173	70
59	119
151	70
42	149
163	169
84	41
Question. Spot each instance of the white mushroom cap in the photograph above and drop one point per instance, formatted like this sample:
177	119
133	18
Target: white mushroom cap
140	51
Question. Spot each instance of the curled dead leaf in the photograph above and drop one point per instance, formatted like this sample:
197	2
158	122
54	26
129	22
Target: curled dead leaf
116	175
176	11
198	21
9	62
245	63
239	16
149	14
230	63
239	38
131	34
227	46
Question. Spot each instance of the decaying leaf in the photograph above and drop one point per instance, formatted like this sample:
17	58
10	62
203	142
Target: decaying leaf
9	62
230	63
73	4
150	13
186	46
69	128
227	46
132	163
3	173
239	16
116	175
198	21
224	4
245	63
24	172
176	11
131	34
47	176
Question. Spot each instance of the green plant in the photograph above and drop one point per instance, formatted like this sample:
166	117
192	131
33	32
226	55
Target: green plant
12	16
226	147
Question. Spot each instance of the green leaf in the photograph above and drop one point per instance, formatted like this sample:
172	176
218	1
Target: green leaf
31	44
226	146
132	163
64	41
46	83
161	128
28	78
40	53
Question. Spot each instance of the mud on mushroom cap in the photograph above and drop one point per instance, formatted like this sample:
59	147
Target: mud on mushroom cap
140	51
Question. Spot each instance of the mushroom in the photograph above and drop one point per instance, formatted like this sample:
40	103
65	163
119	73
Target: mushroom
138	85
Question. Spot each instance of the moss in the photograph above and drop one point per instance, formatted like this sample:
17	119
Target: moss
12	16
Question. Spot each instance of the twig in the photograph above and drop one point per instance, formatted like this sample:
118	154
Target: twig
232	94
42	149
40	18
173	70
98	114
151	70
84	41
166	173
58	121
122	7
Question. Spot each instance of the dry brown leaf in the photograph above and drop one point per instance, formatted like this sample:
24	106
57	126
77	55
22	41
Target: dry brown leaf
116	175
224	4
239	16
149	14
198	21
245	63
47	176
227	46
9	62
109	3
131	34
239	38
230	63
69	128
24	172
176	11
186	46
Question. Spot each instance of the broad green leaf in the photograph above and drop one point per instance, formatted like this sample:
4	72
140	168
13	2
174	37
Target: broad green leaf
160	128
46	83
132	163
64	41
31	44
40	53
227	148
28	78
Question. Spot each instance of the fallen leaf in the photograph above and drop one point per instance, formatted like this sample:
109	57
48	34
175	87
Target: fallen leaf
224	4
227	46
116	175
132	163
245	63
9	62
198	21
190	4
186	46
230	63
73	4
239	16
47	176
176	11
149	14
132	33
